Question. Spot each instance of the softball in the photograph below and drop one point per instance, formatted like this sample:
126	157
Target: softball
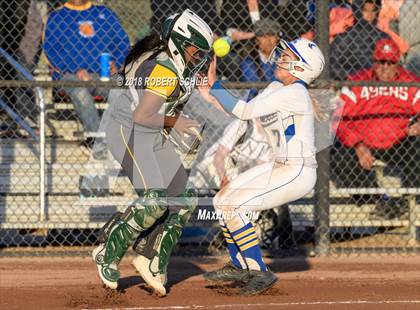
221	47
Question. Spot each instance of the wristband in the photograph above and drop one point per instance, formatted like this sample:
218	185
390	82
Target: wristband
230	32
255	16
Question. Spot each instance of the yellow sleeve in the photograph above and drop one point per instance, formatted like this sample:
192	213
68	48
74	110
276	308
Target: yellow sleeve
161	81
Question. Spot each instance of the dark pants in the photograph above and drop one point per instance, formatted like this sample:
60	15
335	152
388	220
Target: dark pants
347	172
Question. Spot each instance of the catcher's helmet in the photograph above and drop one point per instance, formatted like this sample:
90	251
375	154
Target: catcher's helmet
187	29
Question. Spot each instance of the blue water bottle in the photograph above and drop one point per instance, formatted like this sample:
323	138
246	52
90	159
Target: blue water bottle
105	68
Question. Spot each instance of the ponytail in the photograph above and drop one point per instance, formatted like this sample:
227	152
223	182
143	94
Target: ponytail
148	43
321	111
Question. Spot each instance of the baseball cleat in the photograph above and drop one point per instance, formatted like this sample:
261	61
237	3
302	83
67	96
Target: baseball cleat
108	273
228	272
259	281
155	281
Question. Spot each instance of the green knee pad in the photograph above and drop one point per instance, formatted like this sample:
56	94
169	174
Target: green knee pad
163	239
138	217
147	209
189	200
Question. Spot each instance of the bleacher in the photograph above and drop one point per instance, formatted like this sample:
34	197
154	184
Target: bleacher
68	160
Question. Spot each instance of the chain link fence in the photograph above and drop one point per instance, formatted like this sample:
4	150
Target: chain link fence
56	192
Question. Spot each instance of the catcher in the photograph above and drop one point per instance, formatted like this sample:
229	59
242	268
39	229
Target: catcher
159	75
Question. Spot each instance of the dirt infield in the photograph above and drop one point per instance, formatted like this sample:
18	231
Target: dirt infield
316	283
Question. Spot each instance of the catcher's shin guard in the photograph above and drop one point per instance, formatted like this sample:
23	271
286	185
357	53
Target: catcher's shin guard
105	230
156	248
120	234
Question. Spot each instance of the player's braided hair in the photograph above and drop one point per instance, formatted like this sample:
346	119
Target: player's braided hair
151	42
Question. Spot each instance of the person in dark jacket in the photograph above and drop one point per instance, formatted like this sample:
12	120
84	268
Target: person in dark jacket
352	50
295	18
255	66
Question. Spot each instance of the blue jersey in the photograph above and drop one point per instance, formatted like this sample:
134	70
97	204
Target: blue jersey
75	37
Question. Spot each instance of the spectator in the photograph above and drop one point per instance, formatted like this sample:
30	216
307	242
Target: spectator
235	15
388	22
236	22
75	37
379	123
409	31
341	18
255	66
352	50
295	19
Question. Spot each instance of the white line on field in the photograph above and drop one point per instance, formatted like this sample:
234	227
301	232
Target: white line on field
281	304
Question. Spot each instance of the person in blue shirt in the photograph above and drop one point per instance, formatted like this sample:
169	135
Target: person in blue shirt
75	37
255	66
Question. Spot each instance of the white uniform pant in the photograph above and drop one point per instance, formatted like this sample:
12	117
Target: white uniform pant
263	187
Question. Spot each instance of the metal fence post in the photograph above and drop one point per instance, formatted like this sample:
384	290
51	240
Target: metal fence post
42	205
322	190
